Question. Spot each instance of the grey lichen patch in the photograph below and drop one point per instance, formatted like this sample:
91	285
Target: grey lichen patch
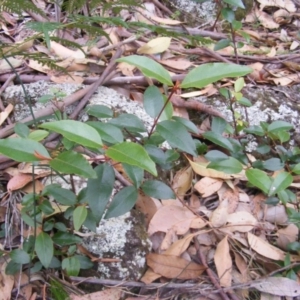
123	238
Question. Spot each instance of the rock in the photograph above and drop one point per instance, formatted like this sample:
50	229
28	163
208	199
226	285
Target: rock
123	238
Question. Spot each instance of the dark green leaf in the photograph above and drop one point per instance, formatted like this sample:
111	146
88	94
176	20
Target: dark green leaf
156	154
99	111
99	190
12	268
177	136
132	154
218	125
19	256
65	238
157	189
46	207
149	68
256	130
273	164
279	126
22	150
79	216
212	72
109	133
221	44
90	222
129	121
228	166
122	202
61	195
21	130
76	131
85	262
136	174
44	248
71	265
271	201
71	162
219	140
190	126
215	155
259	179
153	101
263	149
228	14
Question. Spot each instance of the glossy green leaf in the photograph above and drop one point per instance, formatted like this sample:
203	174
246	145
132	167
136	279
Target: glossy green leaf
99	111
128	121
22	150
221	44
190	126
61	195
259	179
99	190
219	140
44	248
79	216
132	154
215	155
282	181
71	265
218	125
149	68
212	72
177	136
238	3
228	166
108	132
71	162
279	126
22	130
135	174
76	131
153	101
38	135
273	164
65	239
157	189
19	256
122	202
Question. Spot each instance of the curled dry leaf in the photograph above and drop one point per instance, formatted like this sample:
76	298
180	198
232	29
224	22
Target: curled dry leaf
18	181
63	52
287	235
241	221
182	181
171	266
223	262
208	186
4	114
219	216
150	276
231	195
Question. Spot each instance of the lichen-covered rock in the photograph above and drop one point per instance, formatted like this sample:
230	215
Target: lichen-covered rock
124	238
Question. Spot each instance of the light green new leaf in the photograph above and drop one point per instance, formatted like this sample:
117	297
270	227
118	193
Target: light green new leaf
239	84
212	72
38	135
132	154
177	136
229	166
71	162
259	179
76	131
79	216
44	248
22	150
296	169
157	189
71	265
122	202
149	68
282	181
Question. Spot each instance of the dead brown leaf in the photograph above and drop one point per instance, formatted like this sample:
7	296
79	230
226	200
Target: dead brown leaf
208	186
108	294
182	181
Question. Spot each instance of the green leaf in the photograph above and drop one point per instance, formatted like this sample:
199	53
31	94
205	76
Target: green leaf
190	126
99	190
46	207
61	195
263	149
255	129
245	102
228	166
79	216
22	130
279	126
271	201
76	131
177	136
228	14
273	164
44	248
157	189
130	122
239	84
153	101
282	181
259	179
109	133
149	68
218	125
85	262
283	136
238	3
215	155
156	154
38	135
296	169
136	174
212	72
71	162
219	140
122	202
22	150
71	265
65	239
12	268
99	111
132	154
221	44
19	256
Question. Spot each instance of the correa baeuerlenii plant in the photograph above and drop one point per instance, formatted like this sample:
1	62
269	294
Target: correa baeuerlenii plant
119	139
